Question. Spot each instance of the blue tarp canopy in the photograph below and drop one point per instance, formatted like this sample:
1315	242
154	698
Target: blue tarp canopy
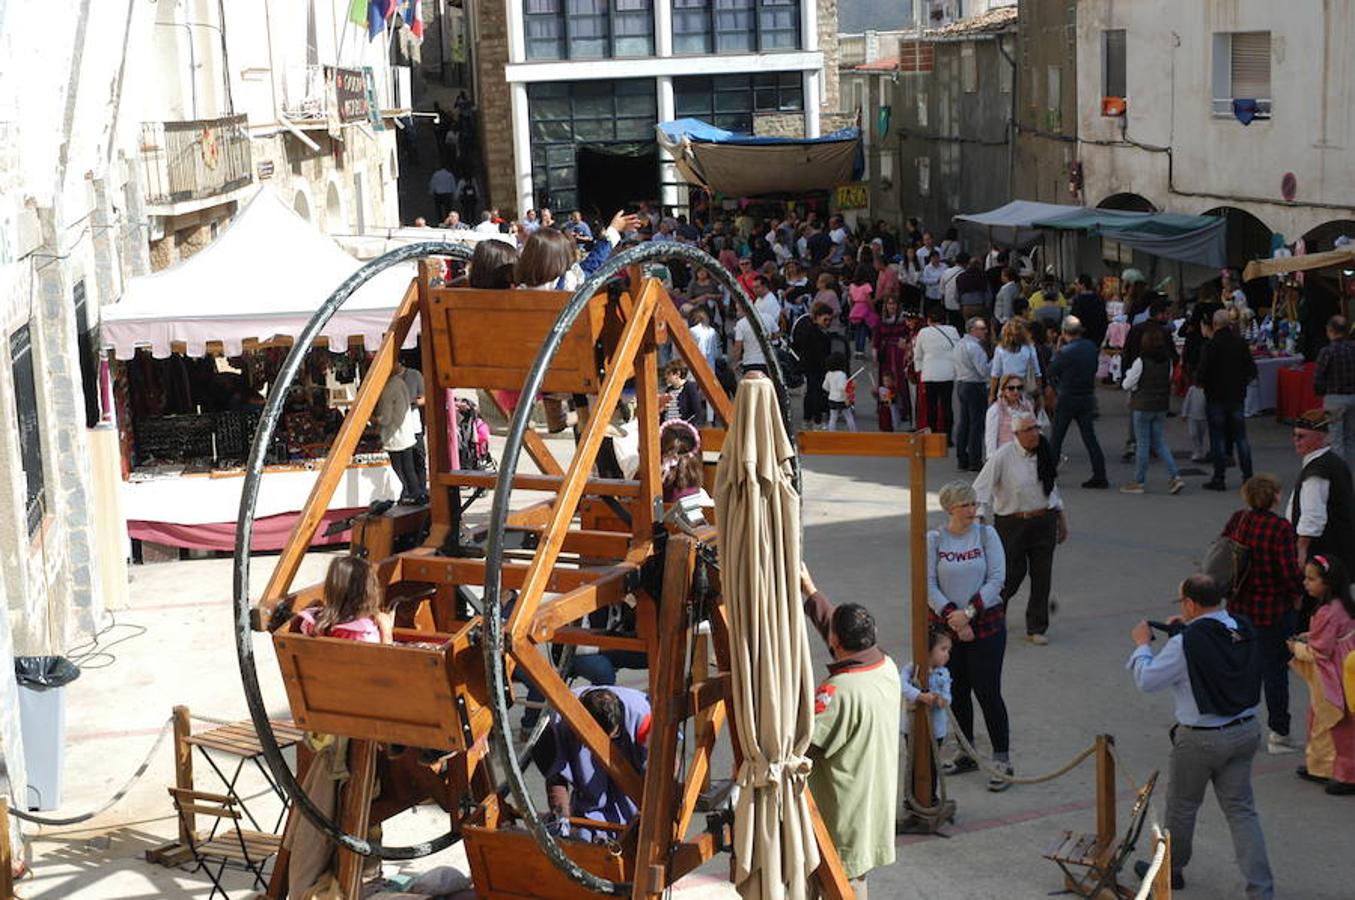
745	165
1191	239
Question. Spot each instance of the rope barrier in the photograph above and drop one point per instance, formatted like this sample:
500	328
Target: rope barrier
122	792
1000	775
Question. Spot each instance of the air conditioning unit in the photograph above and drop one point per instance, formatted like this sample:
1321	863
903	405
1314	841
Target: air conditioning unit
1113	106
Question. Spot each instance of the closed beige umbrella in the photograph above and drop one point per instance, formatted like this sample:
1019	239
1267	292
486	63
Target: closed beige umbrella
758	512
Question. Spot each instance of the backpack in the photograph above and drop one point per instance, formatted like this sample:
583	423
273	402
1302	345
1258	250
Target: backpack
1226	561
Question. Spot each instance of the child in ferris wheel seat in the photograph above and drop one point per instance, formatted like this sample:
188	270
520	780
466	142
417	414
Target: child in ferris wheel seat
352	606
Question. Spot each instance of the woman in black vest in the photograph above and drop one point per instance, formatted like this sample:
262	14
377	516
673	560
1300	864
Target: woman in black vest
1149	380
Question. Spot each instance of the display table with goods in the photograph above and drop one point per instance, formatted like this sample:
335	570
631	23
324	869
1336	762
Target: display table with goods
1263	393
186	429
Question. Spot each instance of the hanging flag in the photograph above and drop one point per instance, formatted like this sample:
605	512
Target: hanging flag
357	12
378	11
412	12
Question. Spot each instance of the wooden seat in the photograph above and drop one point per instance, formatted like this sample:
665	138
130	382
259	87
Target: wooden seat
425	690
489	339
234	848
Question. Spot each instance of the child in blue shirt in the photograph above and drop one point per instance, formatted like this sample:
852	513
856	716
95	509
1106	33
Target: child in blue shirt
937	695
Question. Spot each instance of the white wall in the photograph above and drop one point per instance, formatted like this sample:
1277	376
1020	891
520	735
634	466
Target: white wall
1218	161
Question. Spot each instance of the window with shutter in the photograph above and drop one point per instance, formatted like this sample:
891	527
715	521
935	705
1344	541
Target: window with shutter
1251	65
1113	63
1241	71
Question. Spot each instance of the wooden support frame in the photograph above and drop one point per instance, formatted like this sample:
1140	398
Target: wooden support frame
340	453
6	853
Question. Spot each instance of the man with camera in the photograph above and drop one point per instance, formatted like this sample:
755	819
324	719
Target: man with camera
1212	664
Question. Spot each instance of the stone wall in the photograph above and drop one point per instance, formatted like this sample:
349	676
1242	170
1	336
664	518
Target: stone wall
791	125
495	103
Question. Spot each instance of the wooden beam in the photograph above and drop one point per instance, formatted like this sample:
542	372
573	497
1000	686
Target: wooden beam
6	853
601	487
556	614
1105	797
832	878
658	813
587	637
712	439
702	698
536	448
923	746
619	370
540	672
340	454
647	415
900	444
689	856
435	402
708	727
355	810
680	336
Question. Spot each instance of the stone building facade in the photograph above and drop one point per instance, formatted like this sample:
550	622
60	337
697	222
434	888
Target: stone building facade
569	121
1047	108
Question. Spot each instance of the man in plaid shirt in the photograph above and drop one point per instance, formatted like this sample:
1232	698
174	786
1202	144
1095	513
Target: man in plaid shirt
1267	594
1334	382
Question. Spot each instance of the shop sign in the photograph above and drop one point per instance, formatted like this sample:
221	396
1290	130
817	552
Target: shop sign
265	169
373	107
852	196
350	94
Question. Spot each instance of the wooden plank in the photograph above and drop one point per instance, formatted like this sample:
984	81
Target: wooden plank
540	454
702	698
832	878
602	487
558	613
355	802
658	813
619	369
340	454
587	637
540	671
700	369
423	565
869	443
183	770
712	439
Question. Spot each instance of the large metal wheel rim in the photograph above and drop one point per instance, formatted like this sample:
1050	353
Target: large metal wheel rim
494	648
249	494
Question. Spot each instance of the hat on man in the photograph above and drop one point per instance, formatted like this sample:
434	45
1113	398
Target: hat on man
1132	276
1313	420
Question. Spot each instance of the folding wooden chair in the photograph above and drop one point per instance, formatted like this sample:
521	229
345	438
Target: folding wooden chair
1098	859
235	848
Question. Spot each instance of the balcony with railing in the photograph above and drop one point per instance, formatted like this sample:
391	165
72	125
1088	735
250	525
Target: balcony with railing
189	164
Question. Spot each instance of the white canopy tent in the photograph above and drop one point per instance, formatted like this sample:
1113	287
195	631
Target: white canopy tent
263	278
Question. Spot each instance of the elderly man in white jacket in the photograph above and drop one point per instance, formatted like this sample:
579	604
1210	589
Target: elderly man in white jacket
934	358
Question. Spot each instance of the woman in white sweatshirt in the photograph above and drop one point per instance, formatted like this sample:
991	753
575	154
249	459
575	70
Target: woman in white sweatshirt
934	359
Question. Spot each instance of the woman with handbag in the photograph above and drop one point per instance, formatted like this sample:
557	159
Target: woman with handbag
1267	591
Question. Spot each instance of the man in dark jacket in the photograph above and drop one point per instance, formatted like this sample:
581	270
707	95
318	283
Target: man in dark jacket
1226	368
1323	505
1090	310
1073	373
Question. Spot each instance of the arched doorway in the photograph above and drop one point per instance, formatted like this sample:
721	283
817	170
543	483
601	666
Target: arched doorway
1248	236
333	209
302	204
1127	202
1324	236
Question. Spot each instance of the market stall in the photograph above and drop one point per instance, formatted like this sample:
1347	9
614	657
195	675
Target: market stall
195	348
745	165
